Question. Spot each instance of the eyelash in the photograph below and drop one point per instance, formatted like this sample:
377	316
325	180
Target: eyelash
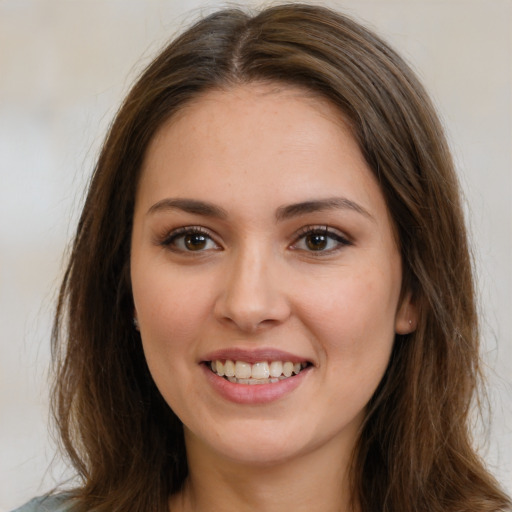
170	240
325	231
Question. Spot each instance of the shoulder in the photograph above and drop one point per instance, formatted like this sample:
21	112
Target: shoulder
55	503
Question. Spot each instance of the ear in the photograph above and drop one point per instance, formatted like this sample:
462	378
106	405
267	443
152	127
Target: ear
406	319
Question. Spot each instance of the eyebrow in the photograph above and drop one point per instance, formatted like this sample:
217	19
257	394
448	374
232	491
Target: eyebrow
190	206
320	205
207	209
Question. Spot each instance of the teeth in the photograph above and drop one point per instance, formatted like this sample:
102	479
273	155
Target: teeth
262	372
242	370
287	369
253	382
229	368
276	368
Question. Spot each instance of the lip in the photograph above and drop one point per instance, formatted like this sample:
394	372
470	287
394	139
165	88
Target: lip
253	394
253	356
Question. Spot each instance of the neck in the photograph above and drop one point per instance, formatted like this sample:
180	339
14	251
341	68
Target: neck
314	481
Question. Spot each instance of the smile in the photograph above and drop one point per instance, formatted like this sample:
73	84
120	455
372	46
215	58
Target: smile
263	372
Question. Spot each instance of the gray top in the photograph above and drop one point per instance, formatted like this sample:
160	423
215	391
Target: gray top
45	504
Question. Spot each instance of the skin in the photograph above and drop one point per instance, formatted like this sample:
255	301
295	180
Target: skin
252	151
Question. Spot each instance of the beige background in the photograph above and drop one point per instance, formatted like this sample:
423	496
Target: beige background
64	67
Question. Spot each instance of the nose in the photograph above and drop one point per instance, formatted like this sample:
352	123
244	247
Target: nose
252	295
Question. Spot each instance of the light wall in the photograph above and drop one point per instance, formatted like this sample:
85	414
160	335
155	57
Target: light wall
64	67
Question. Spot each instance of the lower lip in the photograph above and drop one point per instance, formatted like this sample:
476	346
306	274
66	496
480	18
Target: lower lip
253	393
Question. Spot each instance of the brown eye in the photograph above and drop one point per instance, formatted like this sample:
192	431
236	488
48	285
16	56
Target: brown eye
322	239
316	241
195	241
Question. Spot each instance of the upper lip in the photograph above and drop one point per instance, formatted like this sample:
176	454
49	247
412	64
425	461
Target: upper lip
253	355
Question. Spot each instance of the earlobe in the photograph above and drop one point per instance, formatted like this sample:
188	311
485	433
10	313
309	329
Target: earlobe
135	320
406	319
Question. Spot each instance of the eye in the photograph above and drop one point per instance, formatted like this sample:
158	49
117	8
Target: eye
190	239
319	239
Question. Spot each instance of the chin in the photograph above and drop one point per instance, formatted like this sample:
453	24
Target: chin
259	453
253	444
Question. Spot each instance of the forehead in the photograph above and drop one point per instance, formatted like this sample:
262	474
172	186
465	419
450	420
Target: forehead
259	104
255	149
275	127
263	94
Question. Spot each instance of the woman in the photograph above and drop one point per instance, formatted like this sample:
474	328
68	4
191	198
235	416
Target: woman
269	300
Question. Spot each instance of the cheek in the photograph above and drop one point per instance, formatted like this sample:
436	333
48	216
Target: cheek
172	310
353	323
362	303
171	306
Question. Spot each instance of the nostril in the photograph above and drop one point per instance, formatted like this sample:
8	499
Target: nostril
249	322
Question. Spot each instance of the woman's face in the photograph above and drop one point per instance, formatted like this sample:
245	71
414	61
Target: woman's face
262	246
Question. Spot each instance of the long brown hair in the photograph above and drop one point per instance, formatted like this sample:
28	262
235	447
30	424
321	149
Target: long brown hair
414	451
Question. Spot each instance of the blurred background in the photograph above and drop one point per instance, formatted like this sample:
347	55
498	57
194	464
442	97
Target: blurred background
64	69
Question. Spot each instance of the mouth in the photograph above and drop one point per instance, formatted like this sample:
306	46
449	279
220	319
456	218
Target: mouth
261	372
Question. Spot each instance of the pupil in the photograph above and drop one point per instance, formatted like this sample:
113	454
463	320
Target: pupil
316	242
195	242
